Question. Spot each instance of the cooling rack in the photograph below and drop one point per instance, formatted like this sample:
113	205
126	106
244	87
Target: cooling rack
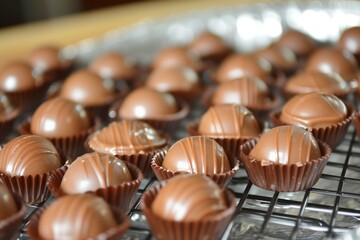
329	210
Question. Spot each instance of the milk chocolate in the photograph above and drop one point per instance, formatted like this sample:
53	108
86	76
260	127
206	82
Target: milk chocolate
197	154
237	66
6	107
47	58
59	117
286	145
145	102
228	120
188	198
209	46
29	155
126	137
332	60
92	171
300	43
76	217
350	41
313	110
88	89
7	203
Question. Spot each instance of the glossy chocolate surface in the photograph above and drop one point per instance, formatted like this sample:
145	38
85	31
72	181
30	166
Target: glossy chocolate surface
46	58
92	171
300	43
189	198
246	91
197	154
115	66
17	76
331	60
87	88
59	117
209	45
176	57
173	79
76	217
306	82
286	145
28	155
350	41
313	110
280	58
126	137
5	106
228	120
237	66
145	102
7	203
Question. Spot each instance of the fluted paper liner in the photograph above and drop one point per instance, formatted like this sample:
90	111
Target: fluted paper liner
356	121
281	177
222	179
168	124
6	125
72	146
119	196
210	228
231	145
9	227
332	135
111	234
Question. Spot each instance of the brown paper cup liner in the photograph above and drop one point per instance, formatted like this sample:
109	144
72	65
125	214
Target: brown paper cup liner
167	124
211	228
71	147
283	178
119	196
222	179
332	135
6	125
231	146
356	121
9	227
113	233
32	189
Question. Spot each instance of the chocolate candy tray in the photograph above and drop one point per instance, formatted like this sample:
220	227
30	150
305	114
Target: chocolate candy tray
329	210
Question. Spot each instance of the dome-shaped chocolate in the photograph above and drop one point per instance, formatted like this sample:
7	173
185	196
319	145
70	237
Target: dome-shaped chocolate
300	43
7	203
350	41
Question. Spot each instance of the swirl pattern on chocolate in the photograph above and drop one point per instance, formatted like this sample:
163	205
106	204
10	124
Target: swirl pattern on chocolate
189	198
29	155
197	154
286	145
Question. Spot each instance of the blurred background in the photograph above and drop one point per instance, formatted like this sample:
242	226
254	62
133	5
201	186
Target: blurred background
14	12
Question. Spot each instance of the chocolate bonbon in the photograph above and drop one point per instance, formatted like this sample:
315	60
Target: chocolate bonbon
7	203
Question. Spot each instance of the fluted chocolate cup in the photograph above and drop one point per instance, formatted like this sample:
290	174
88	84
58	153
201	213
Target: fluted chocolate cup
356	122
9	227
211	228
113	233
332	135
283	177
222	179
119	196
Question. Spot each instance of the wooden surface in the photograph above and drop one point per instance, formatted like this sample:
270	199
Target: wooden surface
17	41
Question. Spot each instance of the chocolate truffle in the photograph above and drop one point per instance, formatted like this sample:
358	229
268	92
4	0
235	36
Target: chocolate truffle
145	102
174	79
300	43
313	110
350	41
306	82
209	46
29	155
287	145
126	137
197	154
59	117
88	89
332	60
176	57
7	203
92	171
237	66
17	76
228	120
76	217
114	66
246	91
189	198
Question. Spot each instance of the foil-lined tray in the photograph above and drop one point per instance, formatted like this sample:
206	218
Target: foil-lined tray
331	209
